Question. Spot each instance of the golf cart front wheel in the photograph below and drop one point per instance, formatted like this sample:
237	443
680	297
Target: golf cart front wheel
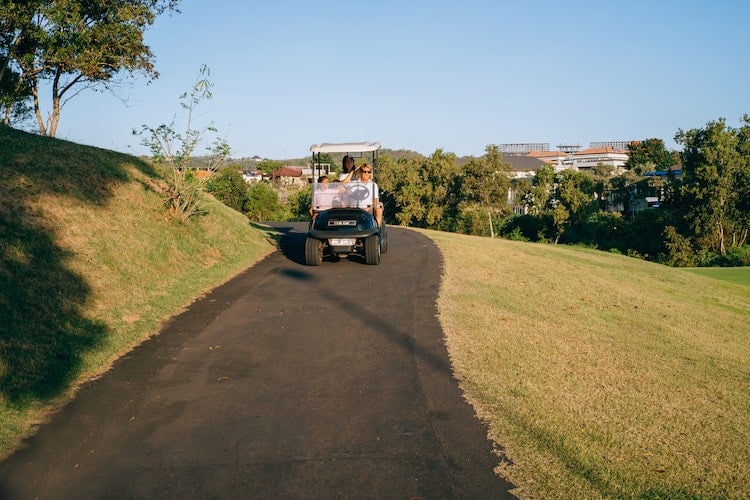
372	250
313	252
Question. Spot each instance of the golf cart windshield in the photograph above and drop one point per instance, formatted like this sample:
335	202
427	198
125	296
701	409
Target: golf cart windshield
354	194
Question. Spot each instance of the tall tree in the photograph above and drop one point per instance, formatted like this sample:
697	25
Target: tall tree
649	155
716	183
76	45
576	192
542	190
485	182
422	191
15	19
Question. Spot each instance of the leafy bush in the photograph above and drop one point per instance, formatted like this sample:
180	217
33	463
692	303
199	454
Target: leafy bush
602	230
299	204
735	257
645	233
228	187
516	235
263	203
679	249
530	227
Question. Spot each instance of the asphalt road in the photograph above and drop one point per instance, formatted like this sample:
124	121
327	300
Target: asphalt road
287	382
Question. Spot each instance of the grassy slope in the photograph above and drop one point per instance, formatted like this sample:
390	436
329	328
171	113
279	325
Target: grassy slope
599	374
90	265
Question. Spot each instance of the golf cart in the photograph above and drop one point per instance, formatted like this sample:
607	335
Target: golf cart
343	213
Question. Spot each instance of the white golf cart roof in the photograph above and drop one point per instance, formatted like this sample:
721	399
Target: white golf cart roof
345	147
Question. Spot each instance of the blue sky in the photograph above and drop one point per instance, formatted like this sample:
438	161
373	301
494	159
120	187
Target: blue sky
426	75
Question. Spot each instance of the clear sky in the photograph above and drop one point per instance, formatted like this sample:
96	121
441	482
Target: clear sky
435	74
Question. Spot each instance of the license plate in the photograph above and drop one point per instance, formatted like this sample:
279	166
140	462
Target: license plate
341	242
342	222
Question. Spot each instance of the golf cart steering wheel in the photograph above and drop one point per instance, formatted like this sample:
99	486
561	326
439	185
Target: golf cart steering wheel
357	192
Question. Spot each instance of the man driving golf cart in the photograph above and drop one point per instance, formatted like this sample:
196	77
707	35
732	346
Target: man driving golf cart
347	217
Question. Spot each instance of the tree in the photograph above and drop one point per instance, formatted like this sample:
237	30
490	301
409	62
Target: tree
14	97
716	183
172	151
263	203
229	187
560	218
602	175
269	166
14	91
649	155
422	190
300	203
576	192
75	45
485	182
542	187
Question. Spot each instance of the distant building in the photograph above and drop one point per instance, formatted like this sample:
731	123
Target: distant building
523	166
287	175
316	170
523	147
587	159
569	148
554	158
251	176
612	144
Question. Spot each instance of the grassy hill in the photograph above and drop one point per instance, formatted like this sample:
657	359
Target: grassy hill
602	375
90	265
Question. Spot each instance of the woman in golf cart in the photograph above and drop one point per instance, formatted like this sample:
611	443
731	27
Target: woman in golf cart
365	175
349	171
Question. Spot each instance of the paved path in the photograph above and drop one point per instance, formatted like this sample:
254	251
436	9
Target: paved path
287	382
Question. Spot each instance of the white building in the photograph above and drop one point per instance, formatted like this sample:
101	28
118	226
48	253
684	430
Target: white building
587	159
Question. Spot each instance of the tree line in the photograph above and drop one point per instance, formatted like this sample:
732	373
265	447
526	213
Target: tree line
702	219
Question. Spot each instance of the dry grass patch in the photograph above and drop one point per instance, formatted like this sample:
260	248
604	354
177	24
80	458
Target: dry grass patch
601	375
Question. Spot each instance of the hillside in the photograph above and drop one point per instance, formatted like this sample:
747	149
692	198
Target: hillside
90	264
601	375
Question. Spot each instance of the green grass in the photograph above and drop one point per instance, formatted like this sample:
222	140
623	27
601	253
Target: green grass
90	266
601	375
737	275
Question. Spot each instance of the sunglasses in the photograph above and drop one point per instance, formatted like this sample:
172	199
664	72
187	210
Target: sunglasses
365	171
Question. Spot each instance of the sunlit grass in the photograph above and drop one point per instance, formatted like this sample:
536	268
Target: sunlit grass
738	275
599	374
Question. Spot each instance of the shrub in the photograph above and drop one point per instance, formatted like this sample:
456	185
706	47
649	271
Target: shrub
299	204
228	187
680	251
263	203
530	227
